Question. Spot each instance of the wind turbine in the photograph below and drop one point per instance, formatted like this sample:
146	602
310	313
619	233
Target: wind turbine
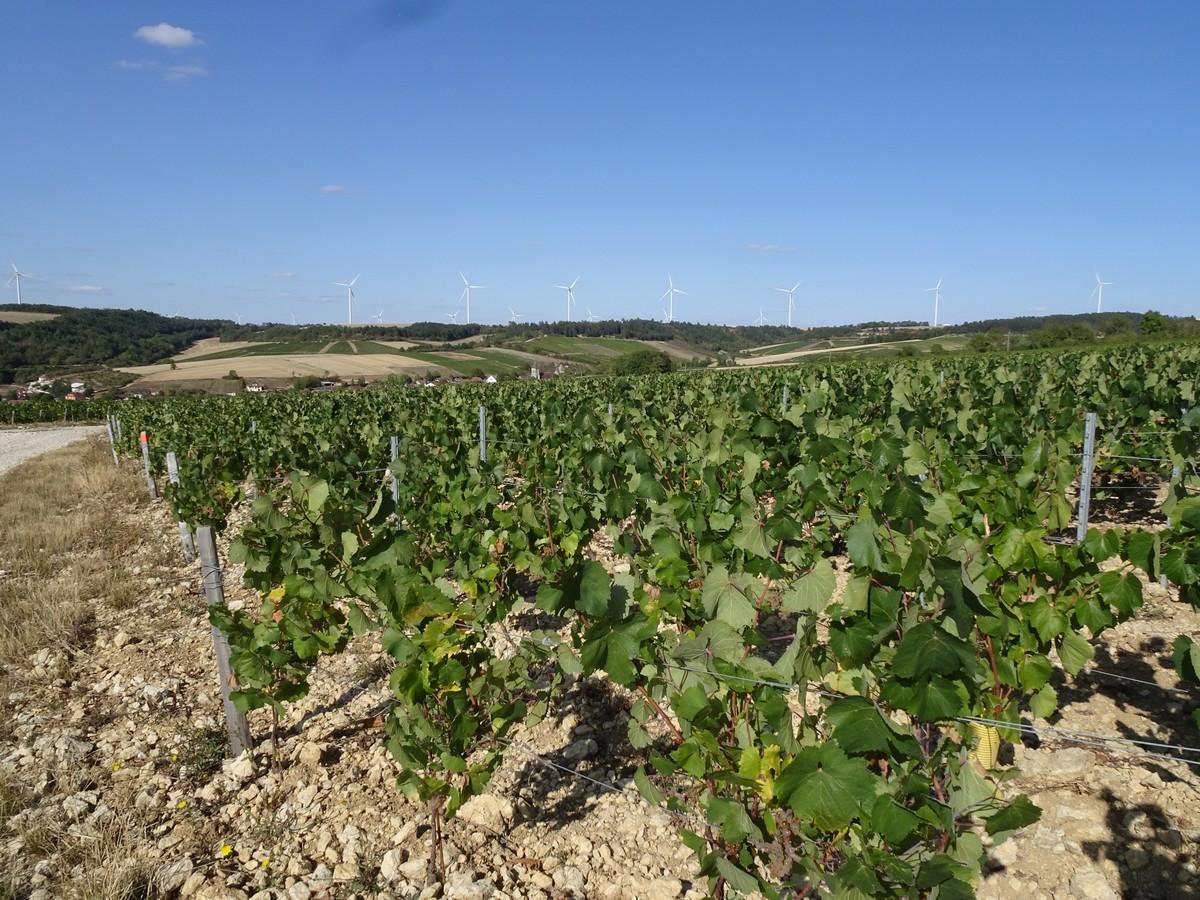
669	296
349	286
570	289
762	320
592	318
936	290
1097	291
513	316
453	317
293	315
791	292
16	276
466	294
378	317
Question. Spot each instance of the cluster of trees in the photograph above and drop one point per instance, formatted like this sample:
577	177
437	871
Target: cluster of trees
93	337
641	362
1060	331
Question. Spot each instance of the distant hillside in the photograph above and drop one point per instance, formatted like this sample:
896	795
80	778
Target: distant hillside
77	338
111	338
714	339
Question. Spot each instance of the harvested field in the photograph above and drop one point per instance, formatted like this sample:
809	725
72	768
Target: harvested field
775	359
24	318
345	365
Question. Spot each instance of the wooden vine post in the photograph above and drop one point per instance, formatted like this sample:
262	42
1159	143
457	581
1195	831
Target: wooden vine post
236	726
144	440
185	533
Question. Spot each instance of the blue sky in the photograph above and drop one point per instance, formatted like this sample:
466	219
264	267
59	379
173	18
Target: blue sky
238	161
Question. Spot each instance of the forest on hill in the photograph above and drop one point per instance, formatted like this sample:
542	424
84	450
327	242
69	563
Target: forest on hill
77	338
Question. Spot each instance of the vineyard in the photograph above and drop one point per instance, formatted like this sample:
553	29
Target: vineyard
828	597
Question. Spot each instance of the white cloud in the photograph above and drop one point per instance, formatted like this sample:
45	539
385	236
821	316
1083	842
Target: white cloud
768	248
333	189
164	35
181	72
87	289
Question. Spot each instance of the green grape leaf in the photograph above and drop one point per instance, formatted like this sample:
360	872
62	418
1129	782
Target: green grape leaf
811	592
863	547
1016	814
724	597
826	785
594	590
927	648
1075	652
1044	702
751	537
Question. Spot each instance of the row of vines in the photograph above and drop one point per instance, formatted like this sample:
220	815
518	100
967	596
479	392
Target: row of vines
812	580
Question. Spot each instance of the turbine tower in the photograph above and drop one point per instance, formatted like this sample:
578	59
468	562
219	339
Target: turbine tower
936	290
466	294
592	318
513	316
16	276
570	289
791	292
378	317
453	317
762	320
669	296
349	286
1097	291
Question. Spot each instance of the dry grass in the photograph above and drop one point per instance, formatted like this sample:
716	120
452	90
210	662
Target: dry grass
62	551
60	536
102	863
14	795
111	867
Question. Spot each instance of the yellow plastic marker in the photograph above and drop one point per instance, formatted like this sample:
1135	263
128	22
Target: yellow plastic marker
987	744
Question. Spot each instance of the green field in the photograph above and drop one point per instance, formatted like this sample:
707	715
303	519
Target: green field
592	351
492	362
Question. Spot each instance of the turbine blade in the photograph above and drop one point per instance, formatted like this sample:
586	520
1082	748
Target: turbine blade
575	282
678	291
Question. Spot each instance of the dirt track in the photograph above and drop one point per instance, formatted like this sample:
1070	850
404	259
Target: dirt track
18	445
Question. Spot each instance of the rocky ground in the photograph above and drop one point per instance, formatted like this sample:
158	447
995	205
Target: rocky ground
118	744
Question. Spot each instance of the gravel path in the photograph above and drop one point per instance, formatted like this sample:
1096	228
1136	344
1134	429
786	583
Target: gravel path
16	446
